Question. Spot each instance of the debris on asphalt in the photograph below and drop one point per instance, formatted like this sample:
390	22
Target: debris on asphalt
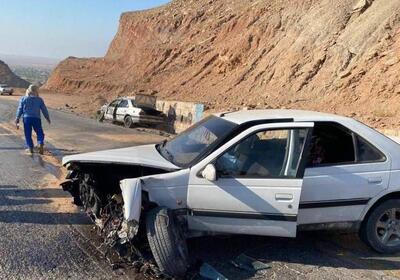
249	264
209	272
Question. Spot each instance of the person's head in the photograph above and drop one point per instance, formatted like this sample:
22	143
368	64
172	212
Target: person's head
32	90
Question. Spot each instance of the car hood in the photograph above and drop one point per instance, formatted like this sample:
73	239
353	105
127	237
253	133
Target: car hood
146	155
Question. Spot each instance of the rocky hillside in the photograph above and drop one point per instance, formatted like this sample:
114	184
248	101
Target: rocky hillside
9	78
339	56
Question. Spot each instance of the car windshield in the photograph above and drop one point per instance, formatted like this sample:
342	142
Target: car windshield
185	148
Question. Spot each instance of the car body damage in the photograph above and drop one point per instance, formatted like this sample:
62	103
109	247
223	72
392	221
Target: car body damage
125	156
130	111
98	183
132	195
267	172
167	189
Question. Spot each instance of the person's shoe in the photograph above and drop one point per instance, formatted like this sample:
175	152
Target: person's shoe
41	149
29	151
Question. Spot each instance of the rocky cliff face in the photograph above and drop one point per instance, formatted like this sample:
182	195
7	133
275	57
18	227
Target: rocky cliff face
339	56
9	78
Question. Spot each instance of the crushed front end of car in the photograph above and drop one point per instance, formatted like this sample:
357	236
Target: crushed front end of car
116	206
108	186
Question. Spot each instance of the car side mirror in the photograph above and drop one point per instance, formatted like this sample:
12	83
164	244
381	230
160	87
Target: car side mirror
209	173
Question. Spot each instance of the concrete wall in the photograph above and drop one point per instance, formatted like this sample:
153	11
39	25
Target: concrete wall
181	115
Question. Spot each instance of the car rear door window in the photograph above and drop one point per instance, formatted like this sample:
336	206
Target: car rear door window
265	154
331	144
123	104
366	152
334	144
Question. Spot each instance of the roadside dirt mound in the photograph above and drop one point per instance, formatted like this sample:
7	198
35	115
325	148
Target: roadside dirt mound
338	56
9	78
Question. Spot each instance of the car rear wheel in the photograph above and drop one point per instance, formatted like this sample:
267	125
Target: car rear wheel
128	122
167	242
381	230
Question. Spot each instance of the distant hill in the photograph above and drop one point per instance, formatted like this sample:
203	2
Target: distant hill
29	61
8	77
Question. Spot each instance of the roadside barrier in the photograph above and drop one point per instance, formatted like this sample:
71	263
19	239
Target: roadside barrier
180	115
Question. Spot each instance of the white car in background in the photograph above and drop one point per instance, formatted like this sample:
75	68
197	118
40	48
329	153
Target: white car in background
261	172
5	89
140	109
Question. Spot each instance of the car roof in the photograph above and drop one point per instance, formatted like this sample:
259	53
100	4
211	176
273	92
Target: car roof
382	142
244	116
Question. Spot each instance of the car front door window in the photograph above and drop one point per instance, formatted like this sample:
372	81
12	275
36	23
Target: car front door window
265	154
111	107
110	110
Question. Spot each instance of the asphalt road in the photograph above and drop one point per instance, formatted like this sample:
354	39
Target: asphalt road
69	133
40	232
43	236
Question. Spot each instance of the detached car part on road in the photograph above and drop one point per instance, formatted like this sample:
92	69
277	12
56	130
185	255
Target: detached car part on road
261	172
5	89
129	111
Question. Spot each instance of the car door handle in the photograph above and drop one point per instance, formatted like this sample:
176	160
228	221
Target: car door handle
283	196
375	180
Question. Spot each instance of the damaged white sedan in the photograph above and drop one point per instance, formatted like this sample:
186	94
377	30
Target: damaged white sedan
261	172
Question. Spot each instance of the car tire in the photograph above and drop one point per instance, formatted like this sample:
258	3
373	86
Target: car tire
383	221
128	122
167	242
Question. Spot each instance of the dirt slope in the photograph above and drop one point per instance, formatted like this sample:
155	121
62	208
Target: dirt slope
9	78
339	56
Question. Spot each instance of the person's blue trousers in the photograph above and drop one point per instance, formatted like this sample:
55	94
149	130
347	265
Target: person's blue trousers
36	124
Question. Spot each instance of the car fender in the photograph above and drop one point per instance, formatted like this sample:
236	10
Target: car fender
375	199
393	186
167	189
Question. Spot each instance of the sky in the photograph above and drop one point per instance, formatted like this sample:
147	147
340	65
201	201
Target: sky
62	28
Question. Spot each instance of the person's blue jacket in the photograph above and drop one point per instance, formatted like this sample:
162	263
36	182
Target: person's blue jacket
30	107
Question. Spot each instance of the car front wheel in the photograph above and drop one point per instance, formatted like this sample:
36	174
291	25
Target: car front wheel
382	228
167	242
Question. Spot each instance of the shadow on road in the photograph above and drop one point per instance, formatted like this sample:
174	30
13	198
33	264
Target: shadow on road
14	196
7	187
11	148
318	249
6	201
31	217
10	190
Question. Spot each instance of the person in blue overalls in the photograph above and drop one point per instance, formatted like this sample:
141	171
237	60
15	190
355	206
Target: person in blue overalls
29	109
